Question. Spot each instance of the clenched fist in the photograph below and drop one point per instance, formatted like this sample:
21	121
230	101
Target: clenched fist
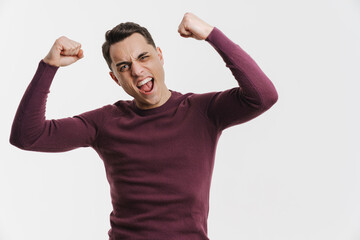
192	26
64	52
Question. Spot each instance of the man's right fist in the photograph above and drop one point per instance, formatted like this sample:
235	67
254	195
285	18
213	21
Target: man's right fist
64	52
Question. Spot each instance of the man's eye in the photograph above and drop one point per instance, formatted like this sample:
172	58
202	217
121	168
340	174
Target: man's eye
123	68
143	57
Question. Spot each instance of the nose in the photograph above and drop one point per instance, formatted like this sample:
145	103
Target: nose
136	69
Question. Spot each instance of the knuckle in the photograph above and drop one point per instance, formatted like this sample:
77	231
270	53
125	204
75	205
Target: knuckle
62	38
188	15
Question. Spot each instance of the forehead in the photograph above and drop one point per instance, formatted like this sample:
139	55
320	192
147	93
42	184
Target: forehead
130	47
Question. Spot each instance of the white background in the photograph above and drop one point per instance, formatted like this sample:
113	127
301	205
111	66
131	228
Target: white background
292	173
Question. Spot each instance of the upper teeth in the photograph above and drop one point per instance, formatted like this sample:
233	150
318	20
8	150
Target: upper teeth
144	81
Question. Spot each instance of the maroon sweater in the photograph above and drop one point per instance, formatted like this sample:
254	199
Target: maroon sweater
158	162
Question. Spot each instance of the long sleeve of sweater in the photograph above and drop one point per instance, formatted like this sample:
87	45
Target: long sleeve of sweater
31	130
255	93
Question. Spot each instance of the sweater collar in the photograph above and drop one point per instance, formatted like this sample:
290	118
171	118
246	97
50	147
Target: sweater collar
172	101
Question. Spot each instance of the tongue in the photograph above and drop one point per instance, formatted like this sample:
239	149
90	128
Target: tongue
147	86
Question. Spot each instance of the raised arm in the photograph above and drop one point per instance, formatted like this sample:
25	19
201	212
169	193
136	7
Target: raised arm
255	93
30	129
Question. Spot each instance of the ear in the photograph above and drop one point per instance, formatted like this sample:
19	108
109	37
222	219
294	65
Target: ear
114	78
159	53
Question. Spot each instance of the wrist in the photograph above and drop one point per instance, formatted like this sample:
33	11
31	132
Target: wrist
208	30
49	62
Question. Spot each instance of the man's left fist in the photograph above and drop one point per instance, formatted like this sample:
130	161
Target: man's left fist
192	26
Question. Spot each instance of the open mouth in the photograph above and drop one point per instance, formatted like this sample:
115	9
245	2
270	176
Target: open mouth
146	85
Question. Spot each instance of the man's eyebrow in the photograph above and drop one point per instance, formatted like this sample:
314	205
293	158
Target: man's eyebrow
126	62
142	54
121	63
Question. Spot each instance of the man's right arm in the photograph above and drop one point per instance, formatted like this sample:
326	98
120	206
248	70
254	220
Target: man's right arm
30	129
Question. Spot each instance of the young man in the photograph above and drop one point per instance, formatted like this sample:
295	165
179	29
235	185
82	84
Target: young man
158	149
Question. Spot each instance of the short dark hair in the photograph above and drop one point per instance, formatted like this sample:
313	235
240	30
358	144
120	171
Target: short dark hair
119	33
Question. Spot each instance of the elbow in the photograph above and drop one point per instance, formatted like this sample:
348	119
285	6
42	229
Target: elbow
270	99
15	141
15	134
19	144
14	137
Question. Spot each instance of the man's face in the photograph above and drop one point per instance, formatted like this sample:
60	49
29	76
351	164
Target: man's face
138	68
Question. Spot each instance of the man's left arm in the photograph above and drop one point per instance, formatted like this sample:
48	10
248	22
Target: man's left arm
255	93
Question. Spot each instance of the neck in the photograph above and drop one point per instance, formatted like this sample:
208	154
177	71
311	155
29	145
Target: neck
164	97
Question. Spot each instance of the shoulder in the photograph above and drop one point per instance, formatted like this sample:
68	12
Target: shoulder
201	99
199	102
98	114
